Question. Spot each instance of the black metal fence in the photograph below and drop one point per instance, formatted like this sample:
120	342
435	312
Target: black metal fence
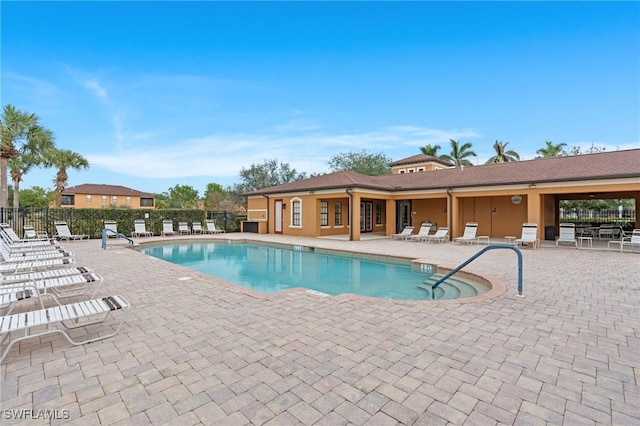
624	217
91	221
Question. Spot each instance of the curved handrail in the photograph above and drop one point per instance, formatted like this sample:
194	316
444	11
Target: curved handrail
105	231
474	257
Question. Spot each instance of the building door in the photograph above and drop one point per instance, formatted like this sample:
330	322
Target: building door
366	216
403	215
278	217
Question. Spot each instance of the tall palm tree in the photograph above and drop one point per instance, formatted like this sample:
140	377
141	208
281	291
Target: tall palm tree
503	155
459	154
20	133
551	150
431	150
18	167
63	159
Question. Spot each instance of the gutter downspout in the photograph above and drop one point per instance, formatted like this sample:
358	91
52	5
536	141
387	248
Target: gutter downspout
450	207
267	197
348	191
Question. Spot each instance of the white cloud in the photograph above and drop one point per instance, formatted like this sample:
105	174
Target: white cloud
96	88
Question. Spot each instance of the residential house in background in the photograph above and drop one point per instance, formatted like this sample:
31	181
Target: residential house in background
91	195
418	163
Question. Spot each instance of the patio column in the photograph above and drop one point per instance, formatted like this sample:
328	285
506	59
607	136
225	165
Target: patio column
390	215
355	217
534	211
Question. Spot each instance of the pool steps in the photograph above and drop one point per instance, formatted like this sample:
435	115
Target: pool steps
455	287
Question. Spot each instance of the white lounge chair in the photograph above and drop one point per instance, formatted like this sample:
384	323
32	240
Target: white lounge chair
30	324
632	241
567	234
140	229
406	232
35	265
441	236
111	225
167	227
469	235
16	256
44	274
30	233
183	228
211	228
529	235
196	228
422	233
9	236
64	233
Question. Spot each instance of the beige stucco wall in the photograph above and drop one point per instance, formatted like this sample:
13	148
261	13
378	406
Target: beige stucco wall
80	202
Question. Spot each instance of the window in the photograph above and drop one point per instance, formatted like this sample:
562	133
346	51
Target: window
324	213
401	172
378	214
296	212
421	169
146	202
338	214
104	199
128	200
88	198
68	200
114	200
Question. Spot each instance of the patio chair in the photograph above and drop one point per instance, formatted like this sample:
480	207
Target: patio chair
529	235
64	233
111	225
469	235
567	234
45	274
196	228
35	265
441	236
61	287
30	324
140	229
23	256
631	241
406	232
211	228
183	228
9	236
31	234
605	230
167	228
422	233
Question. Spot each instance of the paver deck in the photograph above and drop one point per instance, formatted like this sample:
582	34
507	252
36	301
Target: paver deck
200	351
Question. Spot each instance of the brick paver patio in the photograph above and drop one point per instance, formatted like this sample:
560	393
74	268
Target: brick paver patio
198	351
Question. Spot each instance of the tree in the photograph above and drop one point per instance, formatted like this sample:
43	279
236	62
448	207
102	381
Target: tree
36	197
20	133
459	154
183	197
503	155
576	150
64	159
269	173
552	150
214	196
363	162
17	168
431	150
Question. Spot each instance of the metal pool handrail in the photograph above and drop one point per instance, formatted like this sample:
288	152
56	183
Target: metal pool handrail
105	231
474	257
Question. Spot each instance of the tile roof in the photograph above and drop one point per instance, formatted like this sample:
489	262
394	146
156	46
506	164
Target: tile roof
420	158
604	165
102	189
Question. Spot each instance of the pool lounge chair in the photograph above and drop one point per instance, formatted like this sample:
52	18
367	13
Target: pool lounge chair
140	229
35	265
167	228
567	234
183	228
529	235
44	274
31	234
211	228
441	236
406	232
17	256
30	324
196	228
422	233
64	233
111	225
469	235
631	241
9	236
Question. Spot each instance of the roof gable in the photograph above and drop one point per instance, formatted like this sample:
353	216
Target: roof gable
103	189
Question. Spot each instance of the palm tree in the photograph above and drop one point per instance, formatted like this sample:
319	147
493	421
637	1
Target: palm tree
63	159
551	150
18	167
502	154
459	154
431	150
20	134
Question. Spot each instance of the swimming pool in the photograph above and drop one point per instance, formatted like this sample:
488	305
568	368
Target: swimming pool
269	269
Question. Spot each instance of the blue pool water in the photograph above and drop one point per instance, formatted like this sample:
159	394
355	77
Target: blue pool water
269	269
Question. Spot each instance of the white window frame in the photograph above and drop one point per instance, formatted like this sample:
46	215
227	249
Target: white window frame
88	198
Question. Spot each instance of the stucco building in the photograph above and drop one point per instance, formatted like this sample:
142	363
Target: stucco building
91	195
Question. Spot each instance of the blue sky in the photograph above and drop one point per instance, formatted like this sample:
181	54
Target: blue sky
156	94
